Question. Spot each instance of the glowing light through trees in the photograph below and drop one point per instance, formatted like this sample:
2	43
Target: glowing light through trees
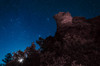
21	60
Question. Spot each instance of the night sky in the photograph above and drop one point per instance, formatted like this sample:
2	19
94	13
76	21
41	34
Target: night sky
24	21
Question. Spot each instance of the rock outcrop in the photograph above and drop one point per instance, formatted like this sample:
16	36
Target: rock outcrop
78	28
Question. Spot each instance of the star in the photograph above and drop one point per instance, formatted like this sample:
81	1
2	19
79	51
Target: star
11	20
48	19
39	35
3	27
24	31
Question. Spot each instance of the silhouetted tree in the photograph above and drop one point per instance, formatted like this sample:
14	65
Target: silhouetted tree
7	58
30	57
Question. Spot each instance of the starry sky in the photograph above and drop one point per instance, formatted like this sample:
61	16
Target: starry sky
24	21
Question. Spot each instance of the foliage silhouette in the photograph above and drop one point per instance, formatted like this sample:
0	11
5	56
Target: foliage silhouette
7	58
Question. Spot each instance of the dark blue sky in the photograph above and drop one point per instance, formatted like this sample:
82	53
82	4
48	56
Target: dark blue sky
23	21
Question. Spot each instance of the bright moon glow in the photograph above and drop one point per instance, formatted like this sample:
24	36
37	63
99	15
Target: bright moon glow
20	60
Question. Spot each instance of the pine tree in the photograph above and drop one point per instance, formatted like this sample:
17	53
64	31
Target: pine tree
8	58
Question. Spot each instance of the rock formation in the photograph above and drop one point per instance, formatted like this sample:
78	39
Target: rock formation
84	30
76	43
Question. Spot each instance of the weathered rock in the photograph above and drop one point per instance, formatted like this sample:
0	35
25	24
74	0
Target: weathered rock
77	28
63	18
